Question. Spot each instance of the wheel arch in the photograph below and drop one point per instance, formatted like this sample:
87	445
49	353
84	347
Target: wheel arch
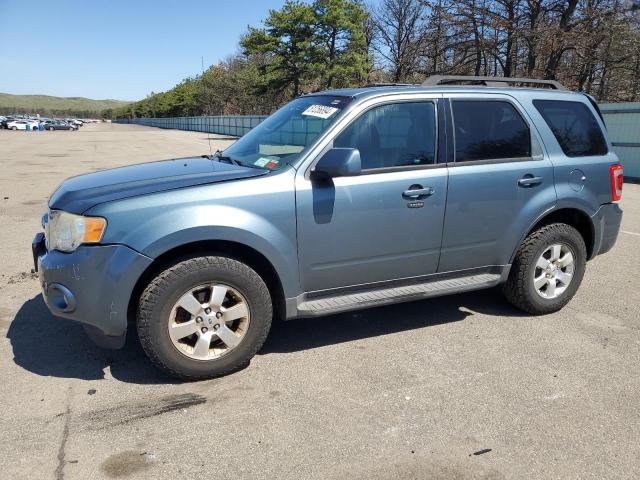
574	217
238	251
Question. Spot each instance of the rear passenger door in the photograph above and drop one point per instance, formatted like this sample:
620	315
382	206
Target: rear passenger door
500	181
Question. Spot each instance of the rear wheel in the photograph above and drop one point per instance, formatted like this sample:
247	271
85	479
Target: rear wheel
547	270
204	317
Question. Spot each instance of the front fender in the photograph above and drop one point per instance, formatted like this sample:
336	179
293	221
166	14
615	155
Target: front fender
271	243
258	213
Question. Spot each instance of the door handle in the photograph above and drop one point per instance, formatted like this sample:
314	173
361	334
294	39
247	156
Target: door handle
417	192
529	181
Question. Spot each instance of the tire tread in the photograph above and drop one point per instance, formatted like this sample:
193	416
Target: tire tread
515	288
159	288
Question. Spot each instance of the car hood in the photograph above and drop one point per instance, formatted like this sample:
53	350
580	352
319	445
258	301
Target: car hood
78	194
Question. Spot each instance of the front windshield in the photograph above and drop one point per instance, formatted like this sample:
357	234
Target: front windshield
283	136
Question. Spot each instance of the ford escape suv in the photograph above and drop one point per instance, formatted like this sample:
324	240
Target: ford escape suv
340	200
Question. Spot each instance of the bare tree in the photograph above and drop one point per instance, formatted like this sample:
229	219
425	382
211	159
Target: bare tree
590	45
399	26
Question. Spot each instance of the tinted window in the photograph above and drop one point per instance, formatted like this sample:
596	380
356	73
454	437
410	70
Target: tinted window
393	135
574	126
488	130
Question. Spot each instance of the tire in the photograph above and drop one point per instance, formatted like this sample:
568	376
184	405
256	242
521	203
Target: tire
51	129
159	306
520	288
14	128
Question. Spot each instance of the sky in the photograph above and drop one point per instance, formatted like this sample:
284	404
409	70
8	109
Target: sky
117	48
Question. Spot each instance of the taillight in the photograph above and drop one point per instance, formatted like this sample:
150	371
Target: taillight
615	175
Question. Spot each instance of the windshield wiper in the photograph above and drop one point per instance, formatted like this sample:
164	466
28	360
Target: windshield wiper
223	158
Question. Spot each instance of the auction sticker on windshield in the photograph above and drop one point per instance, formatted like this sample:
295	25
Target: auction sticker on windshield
266	162
320	111
262	161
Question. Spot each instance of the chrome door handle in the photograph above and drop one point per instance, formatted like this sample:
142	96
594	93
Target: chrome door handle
529	181
417	193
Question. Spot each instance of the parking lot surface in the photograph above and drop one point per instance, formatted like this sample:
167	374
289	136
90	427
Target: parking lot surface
461	387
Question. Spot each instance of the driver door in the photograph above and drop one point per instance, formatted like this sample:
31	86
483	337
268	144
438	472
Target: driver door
370	228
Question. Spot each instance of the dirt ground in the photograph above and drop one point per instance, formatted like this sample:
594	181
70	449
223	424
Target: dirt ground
462	387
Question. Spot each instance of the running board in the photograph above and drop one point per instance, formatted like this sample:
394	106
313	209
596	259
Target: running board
382	296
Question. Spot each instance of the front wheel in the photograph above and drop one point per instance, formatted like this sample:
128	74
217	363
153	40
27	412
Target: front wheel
204	317
547	270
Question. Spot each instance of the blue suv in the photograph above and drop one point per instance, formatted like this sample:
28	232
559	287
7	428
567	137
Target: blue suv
340	200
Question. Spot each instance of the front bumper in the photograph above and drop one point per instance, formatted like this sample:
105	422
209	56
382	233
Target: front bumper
606	223
91	285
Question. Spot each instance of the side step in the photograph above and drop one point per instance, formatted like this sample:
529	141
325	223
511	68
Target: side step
382	296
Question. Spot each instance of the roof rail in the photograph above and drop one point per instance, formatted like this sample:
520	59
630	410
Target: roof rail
491	81
390	85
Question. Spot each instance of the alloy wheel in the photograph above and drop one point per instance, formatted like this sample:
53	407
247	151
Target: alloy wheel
208	321
554	271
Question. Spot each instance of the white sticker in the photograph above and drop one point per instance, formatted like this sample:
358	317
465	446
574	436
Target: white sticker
262	161
320	111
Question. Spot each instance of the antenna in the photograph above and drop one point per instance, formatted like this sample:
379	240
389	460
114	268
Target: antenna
208	132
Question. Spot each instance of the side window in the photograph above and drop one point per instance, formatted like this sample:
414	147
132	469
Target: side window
393	135
574	126
489	130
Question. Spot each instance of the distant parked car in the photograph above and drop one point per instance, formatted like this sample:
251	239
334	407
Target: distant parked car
4	123
59	125
74	121
22	125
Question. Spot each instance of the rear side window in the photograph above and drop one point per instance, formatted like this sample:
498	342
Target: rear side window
574	126
489	130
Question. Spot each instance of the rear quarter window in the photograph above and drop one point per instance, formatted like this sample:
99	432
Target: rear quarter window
574	126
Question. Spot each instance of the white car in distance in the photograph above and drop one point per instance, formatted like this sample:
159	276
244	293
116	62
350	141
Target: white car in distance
22	125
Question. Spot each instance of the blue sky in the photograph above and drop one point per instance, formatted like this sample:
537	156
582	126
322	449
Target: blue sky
116	48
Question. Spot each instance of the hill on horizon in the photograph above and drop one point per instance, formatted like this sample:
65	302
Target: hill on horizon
50	105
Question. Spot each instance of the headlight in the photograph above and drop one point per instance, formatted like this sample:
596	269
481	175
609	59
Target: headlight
66	231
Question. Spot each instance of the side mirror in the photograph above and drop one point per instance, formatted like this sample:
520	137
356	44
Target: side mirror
338	162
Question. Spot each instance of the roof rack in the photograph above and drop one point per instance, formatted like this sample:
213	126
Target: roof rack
491	81
390	85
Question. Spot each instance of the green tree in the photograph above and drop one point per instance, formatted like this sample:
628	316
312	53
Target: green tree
340	33
288	40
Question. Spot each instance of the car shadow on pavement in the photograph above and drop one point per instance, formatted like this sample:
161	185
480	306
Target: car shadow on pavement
317	332
54	347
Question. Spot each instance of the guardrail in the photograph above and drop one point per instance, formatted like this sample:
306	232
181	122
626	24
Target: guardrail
622	120
233	125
